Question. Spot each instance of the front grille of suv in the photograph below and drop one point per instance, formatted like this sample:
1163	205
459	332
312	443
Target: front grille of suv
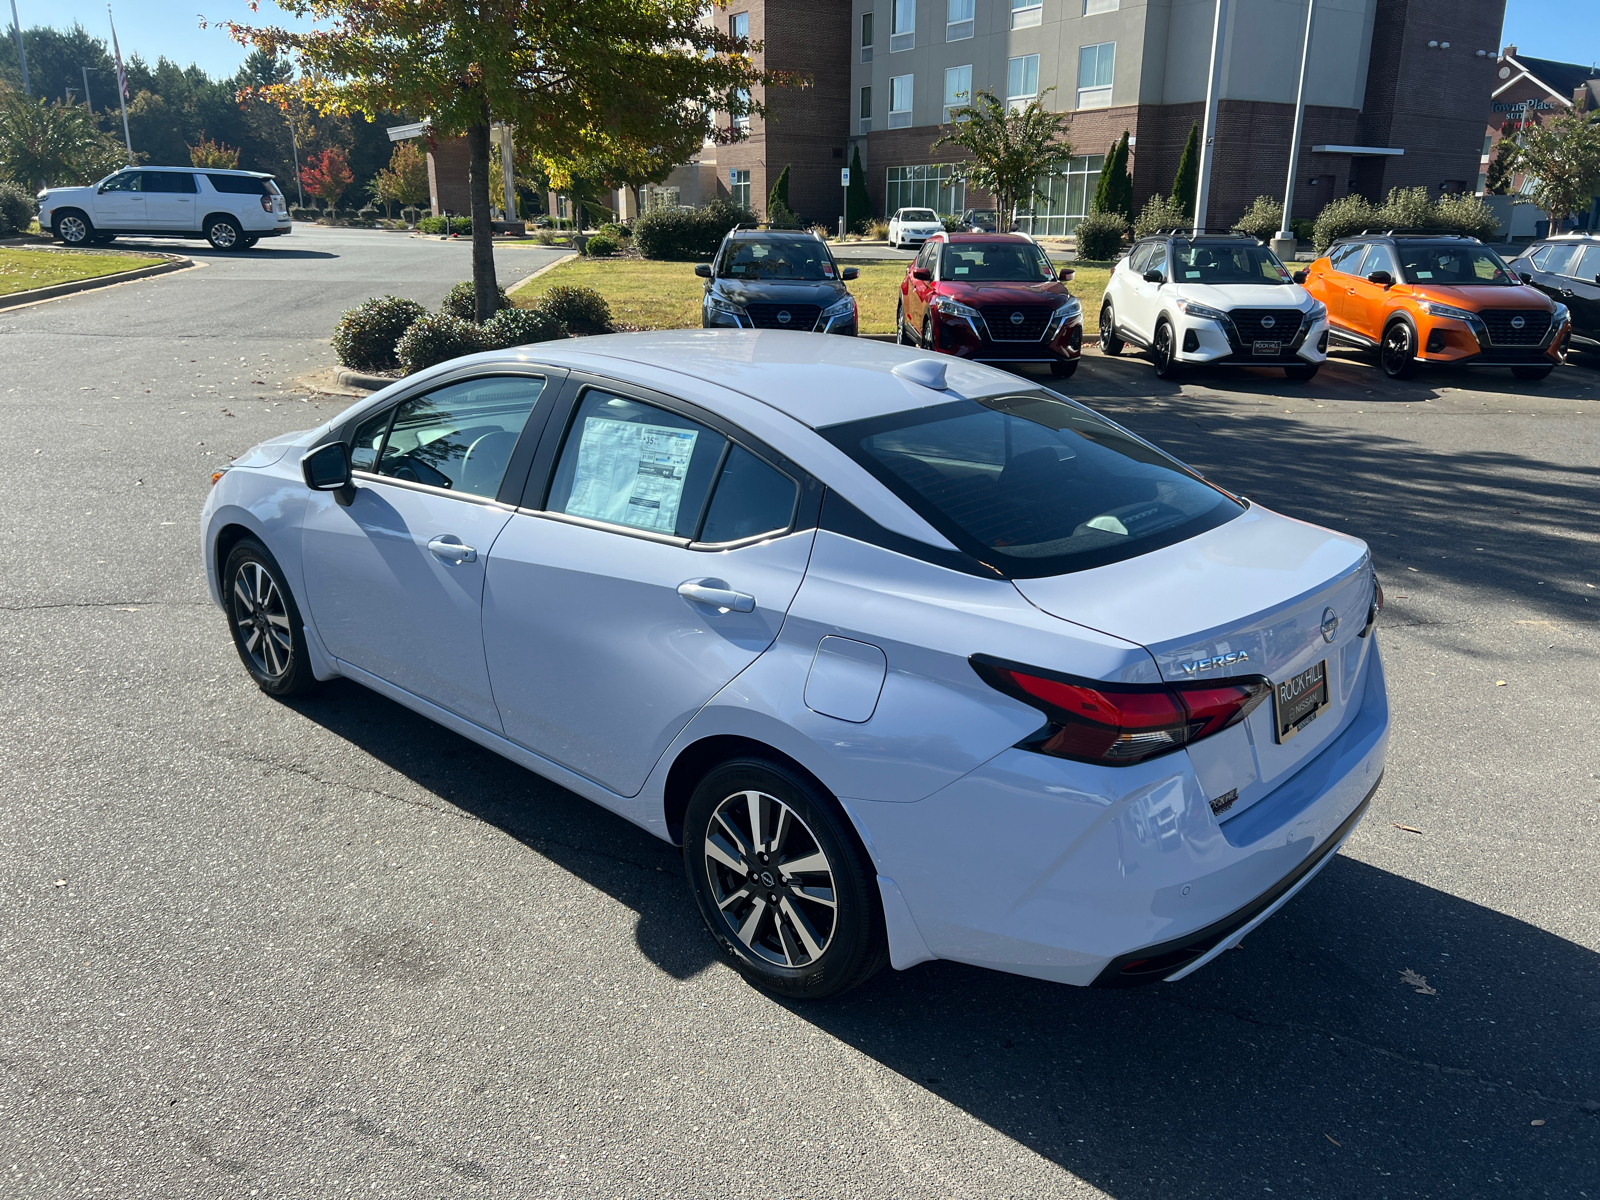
1035	320
1504	331
1252	324
801	316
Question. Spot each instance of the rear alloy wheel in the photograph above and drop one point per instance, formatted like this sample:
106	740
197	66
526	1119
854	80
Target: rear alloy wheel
1395	354
1110	343
223	234
1303	373
73	228
1531	374
1163	351
782	881
265	622
901	336
250	242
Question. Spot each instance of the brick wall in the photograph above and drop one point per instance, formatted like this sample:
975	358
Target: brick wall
447	177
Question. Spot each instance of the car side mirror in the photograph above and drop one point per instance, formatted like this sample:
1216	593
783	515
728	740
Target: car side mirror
921	273
327	469
1525	276
703	270
1383	277
1066	274
1154	277
849	273
1300	276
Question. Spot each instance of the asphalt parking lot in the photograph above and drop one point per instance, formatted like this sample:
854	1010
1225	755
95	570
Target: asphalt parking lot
326	948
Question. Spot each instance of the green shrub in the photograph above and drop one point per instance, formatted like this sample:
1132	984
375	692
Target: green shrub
436	338
617	230
433	225
17	209
1159	212
462	301
1467	214
521	327
366	336
1262	219
602	245
581	310
1340	218
684	235
1100	236
1407	208
1303	228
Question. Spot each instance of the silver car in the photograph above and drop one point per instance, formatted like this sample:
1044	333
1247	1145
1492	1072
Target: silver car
913	658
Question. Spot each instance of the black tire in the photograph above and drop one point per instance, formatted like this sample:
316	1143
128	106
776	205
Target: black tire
927	331
1531	374
1301	374
250	242
1064	369
1163	351
73	228
263	617
104	239
772	943
901	337
1110	343
224	234
1397	351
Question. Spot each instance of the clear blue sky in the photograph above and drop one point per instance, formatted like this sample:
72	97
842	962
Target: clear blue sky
1567	30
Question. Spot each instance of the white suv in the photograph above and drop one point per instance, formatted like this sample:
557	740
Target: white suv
1216	298
232	210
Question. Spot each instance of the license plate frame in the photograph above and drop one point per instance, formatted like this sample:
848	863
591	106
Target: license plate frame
1298	700
1266	348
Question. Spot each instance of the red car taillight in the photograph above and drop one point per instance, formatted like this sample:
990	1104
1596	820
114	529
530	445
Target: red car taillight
1119	724
266	203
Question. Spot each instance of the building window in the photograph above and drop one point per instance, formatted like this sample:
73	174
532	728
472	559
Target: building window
902	25
958	20
900	102
739	185
866	37
1090	7
1095	67
1483	183
957	89
739	25
866	110
1022	81
1064	199
741	121
1025	13
937	187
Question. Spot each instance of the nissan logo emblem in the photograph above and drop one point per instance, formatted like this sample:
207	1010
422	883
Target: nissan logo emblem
1016	318
1268	321
1517	322
1330	624
784	318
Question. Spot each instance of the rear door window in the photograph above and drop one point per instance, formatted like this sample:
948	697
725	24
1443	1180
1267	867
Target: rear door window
751	498
1587	266
238	185
1558	259
1347	257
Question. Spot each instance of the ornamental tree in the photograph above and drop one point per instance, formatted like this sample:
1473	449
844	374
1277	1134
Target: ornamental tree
213	154
1012	150
620	81
1561	159
405	180
326	175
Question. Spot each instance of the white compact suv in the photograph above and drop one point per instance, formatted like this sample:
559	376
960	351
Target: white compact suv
1216	298
913	226
232	210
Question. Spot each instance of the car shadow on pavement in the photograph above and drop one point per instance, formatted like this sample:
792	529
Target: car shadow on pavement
1376	1038
202	250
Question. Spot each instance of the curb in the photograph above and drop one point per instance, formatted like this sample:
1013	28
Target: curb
522	283
174	262
355	379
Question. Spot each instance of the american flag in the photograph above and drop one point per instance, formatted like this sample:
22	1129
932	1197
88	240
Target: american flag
122	77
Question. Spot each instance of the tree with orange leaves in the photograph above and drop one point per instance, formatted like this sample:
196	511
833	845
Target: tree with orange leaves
326	175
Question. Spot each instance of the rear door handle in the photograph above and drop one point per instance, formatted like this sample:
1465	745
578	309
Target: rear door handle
717	597
450	547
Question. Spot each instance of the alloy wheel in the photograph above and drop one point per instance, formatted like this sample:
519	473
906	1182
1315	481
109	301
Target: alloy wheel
770	879
1396	352
72	230
262	619
1163	349
222	235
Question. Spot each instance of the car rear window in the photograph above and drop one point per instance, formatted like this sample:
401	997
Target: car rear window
242	185
1034	485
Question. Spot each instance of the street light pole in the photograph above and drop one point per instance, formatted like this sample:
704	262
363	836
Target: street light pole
1284	244
22	55
1208	138
87	103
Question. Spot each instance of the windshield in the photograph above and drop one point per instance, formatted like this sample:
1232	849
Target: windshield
983	262
1034	485
918	214
798	258
1226	262
1454	265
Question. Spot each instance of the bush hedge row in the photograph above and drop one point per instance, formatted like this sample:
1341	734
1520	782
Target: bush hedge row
685	235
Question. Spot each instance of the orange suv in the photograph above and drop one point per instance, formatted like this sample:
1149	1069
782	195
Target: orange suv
1436	298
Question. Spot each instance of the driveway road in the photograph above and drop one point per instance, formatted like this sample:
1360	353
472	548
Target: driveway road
325	948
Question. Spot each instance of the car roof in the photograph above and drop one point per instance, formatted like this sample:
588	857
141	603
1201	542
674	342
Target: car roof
773	235
196	170
1377	235
964	238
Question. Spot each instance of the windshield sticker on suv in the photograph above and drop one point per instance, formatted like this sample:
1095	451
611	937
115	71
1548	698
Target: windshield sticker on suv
1424	274
1191	274
962	270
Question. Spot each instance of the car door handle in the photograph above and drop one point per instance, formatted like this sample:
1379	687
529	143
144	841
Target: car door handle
451	547
718	597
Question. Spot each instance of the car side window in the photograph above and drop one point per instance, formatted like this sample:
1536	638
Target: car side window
1136	258
128	181
1586	268
179	183
1538	256
751	498
368	441
1559	259
461	436
1347	258
1378	258
636	465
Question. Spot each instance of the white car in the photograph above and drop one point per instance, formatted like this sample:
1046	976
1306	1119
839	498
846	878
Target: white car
1223	299
915	659
232	210
913	226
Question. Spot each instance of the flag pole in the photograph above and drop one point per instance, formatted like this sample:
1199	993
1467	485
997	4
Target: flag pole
22	55
122	85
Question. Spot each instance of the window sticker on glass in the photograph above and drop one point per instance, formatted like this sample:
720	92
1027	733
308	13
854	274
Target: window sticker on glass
962	270
1424	274
1191	274
630	473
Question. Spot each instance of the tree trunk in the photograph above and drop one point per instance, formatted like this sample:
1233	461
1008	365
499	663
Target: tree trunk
484	288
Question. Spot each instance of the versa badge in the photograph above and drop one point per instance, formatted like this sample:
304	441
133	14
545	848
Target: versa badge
1211	664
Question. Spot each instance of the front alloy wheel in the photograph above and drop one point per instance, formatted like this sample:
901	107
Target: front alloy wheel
1164	352
1395	354
73	230
264	621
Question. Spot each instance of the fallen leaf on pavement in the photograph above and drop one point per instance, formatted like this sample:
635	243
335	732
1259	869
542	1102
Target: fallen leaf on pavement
61	883
1499	683
1420	982
1536	1122
1407	828
1329	1136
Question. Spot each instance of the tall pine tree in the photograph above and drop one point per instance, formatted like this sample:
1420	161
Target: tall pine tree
778	210
1116	185
1187	180
1102	191
858	204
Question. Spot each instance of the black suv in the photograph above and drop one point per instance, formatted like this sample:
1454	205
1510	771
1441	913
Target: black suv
1567	269
769	279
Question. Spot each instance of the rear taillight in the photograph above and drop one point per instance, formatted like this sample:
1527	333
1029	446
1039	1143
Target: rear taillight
1119	724
266	203
1375	607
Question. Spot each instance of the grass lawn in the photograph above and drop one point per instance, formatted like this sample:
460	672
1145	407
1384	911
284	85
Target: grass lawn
662	295
21	270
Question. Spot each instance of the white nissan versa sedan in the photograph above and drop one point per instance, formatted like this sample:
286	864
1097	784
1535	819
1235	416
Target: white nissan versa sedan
914	658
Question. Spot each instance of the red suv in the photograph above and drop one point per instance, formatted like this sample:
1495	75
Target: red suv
992	297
